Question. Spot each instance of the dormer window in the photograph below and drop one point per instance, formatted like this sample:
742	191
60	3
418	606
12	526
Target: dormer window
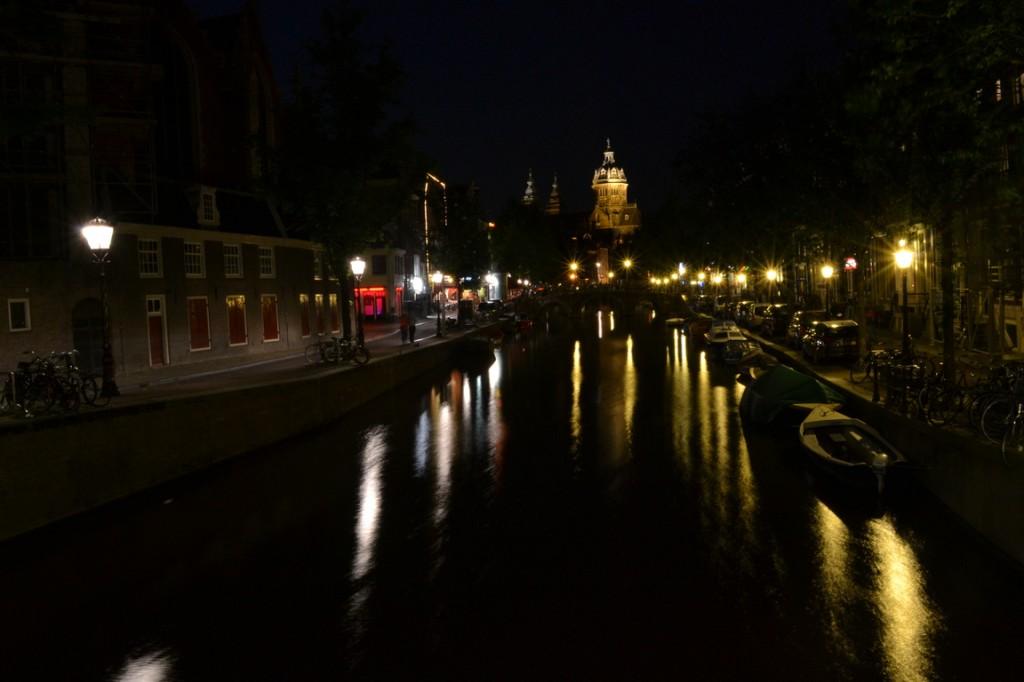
208	213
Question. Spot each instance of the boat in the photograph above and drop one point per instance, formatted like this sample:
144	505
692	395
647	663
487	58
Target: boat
740	351
849	450
721	333
780	395
697	326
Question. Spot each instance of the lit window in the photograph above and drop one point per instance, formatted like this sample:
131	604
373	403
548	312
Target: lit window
237	333
195	265
150	264
232	260
304	313
266	261
335	316
268	308
19	315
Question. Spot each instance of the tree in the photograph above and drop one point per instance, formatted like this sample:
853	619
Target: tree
346	165
935	91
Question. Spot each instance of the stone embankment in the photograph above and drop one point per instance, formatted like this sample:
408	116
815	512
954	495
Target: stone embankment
959	467
55	468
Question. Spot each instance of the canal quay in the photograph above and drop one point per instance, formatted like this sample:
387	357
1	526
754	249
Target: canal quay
589	505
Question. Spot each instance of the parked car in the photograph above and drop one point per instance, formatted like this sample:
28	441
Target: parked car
757	313
776	320
831	340
800	324
743	312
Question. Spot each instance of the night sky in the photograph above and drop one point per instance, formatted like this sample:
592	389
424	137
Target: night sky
496	88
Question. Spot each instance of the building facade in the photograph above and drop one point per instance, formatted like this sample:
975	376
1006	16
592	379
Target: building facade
139	113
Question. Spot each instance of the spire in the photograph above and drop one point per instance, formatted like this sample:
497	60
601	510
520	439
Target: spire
609	155
528	194
554	206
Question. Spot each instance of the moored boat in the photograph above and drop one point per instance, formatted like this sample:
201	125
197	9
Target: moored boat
737	352
849	449
781	395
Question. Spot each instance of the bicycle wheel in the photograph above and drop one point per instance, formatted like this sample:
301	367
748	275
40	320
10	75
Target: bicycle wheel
69	398
6	397
313	354
360	355
40	394
996	417
332	351
1013	443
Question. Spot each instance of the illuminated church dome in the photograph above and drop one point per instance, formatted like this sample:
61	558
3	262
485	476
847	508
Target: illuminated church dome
612	210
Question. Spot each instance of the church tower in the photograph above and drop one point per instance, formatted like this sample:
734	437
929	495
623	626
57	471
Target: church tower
528	196
554	206
612	210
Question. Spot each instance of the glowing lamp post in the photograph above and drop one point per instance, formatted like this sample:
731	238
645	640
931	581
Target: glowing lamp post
772	276
358	266
437	278
98	234
826	274
627	265
904	259
741	281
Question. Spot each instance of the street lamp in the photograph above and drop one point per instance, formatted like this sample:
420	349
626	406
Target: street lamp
826	274
98	234
437	278
904	259
358	266
597	267
627	265
772	276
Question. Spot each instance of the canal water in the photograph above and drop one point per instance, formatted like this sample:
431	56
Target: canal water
588	506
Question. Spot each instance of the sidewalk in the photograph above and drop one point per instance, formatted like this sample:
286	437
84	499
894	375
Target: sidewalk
383	339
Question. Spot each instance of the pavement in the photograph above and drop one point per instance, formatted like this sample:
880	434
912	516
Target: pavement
383	339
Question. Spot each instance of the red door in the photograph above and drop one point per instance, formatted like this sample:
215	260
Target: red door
198	324
237	335
156	340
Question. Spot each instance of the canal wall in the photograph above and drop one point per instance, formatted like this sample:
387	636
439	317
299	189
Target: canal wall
960	468
53	469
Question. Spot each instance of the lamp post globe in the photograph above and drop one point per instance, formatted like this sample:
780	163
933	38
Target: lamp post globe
826	274
904	258
358	266
99	235
772	276
437	278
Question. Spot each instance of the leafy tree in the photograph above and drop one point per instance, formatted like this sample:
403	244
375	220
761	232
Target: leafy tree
929	90
346	165
526	242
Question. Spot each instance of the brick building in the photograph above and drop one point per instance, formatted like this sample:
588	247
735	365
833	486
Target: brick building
138	112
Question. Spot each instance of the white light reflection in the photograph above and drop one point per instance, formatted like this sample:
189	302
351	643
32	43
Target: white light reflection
368	518
908	621
600	324
152	667
422	443
443	449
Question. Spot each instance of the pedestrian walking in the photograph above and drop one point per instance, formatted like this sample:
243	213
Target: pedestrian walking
412	330
403	324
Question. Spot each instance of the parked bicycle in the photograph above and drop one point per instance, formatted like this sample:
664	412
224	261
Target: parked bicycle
332	349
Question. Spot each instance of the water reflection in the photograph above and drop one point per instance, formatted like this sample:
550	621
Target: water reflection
368	517
150	667
577	384
908	621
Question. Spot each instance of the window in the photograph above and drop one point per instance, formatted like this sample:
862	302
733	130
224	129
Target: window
380	265
198	323
268	307
999	90
399	265
318	264
150	264
237	334
304	313
232	260
319	300
266	261
335	317
208	207
19	315
195	264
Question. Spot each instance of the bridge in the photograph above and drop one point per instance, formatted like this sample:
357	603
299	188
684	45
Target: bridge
624	302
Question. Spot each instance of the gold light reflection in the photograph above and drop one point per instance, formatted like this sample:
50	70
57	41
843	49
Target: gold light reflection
577	383
611	321
908	621
495	424
834	563
368	517
629	388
